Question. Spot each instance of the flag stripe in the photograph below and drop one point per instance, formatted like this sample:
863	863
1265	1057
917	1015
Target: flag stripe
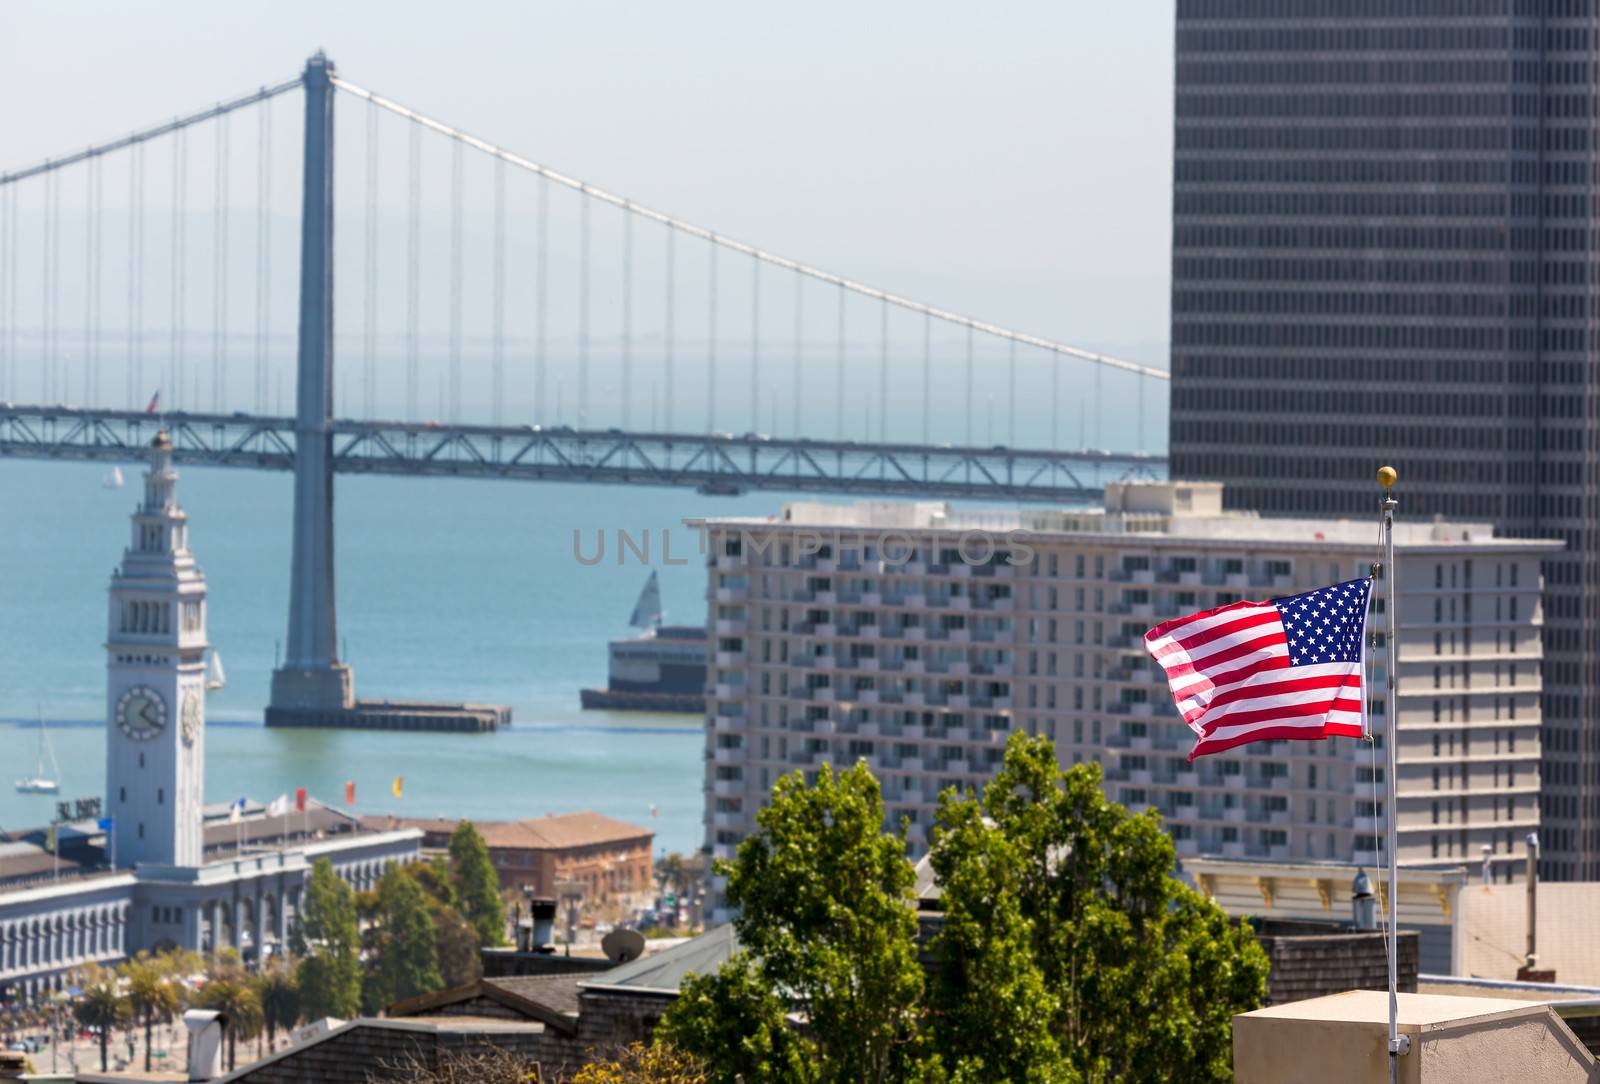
1262	647
1331	730
1231	630
1282	706
1171	631
1253	671
1273	683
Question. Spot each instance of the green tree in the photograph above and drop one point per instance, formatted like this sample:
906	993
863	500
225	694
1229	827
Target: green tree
1047	861
736	1022
152	991
477	885
278	990
328	941
456	941
405	961
434	876
827	910
233	995
101	1005
993	1009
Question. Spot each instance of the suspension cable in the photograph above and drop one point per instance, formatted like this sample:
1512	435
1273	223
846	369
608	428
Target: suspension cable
583	312
175	125
180	261
738	246
369	294
883	372
1055	408
413	270
135	275
6	247
263	247
91	277
668	330
1099	409
456	183
755	345
627	315
969	387
927	375
541	306
838	371
711	338
47	293
1011	370
219	276
497	375
799	345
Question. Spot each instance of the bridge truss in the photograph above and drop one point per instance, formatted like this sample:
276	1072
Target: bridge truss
717	463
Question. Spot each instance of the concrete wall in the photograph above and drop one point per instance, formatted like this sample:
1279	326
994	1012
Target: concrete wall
1342	1039
1493	923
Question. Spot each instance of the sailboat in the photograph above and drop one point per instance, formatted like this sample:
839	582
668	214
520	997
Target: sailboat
647	612
113	479
41	783
215	678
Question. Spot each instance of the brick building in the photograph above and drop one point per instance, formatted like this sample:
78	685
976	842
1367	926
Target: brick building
610	858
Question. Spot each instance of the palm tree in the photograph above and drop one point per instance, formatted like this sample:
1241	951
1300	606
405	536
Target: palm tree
153	991
234	997
101	1005
278	990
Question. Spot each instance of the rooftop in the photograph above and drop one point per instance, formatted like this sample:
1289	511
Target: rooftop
1191	510
553	832
663	972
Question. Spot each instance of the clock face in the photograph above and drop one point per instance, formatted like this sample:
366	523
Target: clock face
141	713
191	716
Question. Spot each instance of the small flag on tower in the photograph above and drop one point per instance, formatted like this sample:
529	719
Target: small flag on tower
399	785
279	806
299	799
1264	671
155	403
236	811
350	792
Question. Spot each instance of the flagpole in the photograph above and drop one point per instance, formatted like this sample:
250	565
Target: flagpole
1397	1045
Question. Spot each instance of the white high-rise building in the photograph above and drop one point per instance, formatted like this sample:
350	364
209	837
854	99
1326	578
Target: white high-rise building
155	682
918	637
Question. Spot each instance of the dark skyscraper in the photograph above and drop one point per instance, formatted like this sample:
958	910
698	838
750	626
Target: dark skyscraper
1385	221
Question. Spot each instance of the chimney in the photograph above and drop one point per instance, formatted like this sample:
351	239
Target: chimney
543	912
1528	972
1363	905
205	1043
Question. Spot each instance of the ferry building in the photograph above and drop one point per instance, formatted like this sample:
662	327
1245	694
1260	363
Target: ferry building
162	869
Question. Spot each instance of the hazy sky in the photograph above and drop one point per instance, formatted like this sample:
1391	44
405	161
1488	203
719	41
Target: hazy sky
1011	161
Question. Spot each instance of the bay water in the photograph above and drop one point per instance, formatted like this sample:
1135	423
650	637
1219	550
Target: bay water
452	589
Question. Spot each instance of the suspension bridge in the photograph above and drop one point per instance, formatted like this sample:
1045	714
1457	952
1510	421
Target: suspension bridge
548	329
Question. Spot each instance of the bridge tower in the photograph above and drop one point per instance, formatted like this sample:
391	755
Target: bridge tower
312	679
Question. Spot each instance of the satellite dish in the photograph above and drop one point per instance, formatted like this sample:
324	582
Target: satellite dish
620	946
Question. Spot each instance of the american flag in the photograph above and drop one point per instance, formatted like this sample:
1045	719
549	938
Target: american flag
1260	671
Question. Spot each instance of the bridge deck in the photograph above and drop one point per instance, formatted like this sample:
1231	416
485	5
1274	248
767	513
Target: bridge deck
718	462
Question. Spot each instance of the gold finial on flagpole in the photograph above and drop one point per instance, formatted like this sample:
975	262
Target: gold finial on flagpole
1387	478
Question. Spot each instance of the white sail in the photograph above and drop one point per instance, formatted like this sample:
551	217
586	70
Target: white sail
215	678
42	783
647	611
113	478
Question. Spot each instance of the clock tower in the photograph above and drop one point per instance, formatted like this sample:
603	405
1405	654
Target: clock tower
155	682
